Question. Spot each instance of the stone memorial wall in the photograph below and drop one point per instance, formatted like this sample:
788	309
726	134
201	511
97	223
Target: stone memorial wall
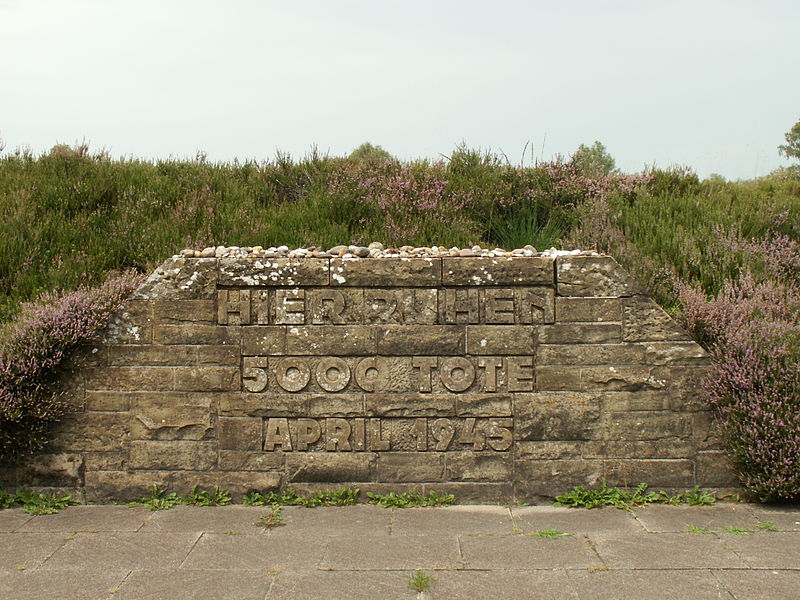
494	378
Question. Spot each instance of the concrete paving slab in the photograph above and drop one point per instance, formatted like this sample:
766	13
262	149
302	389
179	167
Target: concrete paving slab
453	520
785	518
758	585
531	519
647	584
91	518
335	520
218	519
193	584
341	585
767	549
508	585
122	550
90	584
28	550
666	551
525	552
374	553
11	519
675	519
252	552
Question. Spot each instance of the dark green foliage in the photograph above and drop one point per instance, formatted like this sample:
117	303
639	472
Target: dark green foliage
35	503
197	497
290	497
410	499
581	497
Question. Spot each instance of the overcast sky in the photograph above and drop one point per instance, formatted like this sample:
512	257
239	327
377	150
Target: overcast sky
711	84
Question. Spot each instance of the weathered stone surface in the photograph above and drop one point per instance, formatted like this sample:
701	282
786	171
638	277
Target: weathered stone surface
172	416
181	279
273	272
172	456
646	321
592	276
534	270
422	339
405	272
588	310
580	333
501	339
493	377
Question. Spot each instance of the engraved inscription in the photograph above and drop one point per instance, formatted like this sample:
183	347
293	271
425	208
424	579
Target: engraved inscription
375	306
358	434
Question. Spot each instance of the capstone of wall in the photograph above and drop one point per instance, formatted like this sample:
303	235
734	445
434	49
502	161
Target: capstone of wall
495	378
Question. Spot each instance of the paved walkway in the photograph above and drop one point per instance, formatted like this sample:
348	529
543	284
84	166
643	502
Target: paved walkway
115	552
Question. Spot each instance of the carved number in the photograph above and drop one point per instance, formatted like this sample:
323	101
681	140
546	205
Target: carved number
442	431
471	435
254	379
499	436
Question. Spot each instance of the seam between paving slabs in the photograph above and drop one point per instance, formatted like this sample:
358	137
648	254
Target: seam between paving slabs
194	545
69	536
721	583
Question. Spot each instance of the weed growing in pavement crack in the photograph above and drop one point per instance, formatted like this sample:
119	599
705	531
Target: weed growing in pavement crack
420	581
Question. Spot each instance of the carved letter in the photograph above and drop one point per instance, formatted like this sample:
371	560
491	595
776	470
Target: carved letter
277	435
337	435
332	374
327	306
370	375
425	364
519	380
292	374
460	306
380	306
376	444
490	365
498	306
290	307
457	373
233	302
308	432
359	434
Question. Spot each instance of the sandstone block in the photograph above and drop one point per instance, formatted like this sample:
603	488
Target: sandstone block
478	466
483	405
240	433
592	276
149	355
653	449
172	456
132	324
331	467
181	279
550	478
207	379
645	321
411	405
400	340
580	333
622	378
501	339
183	312
100	431
171	416
558	416
587	309
58	470
131	378
484	271
241	404
407	467
411	272
714	469
649	426
336	405
264	341
549	449
108	400
358	340
104	461
238	460
657	473
674	353
273	272
590	354
196	335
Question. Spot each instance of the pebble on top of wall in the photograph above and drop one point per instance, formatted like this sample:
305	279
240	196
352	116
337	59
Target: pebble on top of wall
488	374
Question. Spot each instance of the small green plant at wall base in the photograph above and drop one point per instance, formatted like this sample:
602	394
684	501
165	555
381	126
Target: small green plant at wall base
410	499
420	581
272	519
35	503
158	499
736	530
695	529
290	497
551	533
217	497
581	497
766	526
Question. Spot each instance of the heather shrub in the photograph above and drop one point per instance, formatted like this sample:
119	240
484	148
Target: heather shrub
752	329
34	346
